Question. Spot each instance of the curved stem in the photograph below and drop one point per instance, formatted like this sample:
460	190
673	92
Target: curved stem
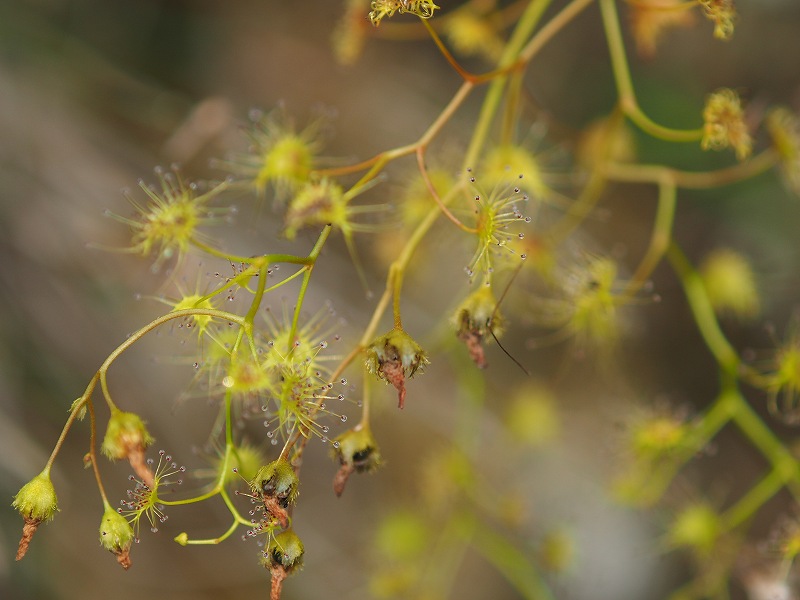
312	257
622	77
442	206
527	23
259	294
703	312
248	260
757	165
659	239
73	415
552	27
93	454
136	336
579	210
466	76
234	526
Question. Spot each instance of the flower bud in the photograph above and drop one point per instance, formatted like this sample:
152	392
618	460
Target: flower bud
127	437
246	459
37	498
784	131
697	527
182	538
532	417
277	484
730	283
278	480
357	452
285	550
116	536
475	318
393	357
283	556
36	501
606	140
315	203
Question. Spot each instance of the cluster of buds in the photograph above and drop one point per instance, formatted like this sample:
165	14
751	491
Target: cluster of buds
724	124
424	9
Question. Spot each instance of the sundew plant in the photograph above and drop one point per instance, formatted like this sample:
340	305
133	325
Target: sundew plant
515	323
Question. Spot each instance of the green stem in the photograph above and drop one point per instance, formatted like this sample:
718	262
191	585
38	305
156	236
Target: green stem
250	260
579	210
136	336
659	239
234	526
397	285
757	165
622	77
763	438
259	294
93	454
527	23
366	398
312	261
703	312
552	27
701	433
73	415
514	564
755	498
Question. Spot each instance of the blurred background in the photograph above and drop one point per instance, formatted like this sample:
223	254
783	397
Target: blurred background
95	93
